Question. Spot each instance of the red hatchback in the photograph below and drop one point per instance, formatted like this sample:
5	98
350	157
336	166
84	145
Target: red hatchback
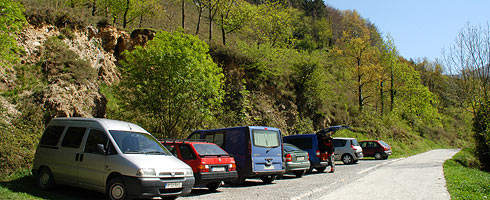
375	148
210	163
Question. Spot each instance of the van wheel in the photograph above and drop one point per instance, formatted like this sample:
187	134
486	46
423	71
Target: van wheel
299	173
213	186
45	179
268	179
347	159
321	169
378	156
116	189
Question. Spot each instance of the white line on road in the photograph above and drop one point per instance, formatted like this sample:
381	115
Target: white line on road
379	165
315	190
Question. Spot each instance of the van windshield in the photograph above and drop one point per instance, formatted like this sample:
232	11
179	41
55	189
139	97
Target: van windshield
265	138
138	143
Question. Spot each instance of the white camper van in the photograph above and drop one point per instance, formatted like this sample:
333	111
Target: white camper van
117	158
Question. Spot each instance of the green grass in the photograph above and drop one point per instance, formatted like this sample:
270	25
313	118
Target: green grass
464	182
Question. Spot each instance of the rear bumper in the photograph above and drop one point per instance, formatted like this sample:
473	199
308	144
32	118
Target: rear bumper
155	187
212	177
292	166
387	153
359	155
319	164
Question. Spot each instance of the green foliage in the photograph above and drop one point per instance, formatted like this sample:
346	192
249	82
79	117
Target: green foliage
481	128
172	82
61	63
464	182
11	21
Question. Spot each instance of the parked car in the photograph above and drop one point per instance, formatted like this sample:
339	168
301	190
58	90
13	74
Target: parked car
375	148
296	160
319	147
210	163
311	144
257	150
117	158
347	150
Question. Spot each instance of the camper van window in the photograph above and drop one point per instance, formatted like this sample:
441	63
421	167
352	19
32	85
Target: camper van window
263	138
52	135
73	137
216	137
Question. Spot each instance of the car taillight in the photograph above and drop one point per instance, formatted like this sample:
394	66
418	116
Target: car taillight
353	148
232	167
318	153
386	148
203	168
308	156
289	158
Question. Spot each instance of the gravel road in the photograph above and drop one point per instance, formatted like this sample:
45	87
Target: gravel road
416	177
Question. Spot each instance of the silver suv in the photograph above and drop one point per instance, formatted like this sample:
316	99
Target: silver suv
347	150
117	158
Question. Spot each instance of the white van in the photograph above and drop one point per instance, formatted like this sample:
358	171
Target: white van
117	158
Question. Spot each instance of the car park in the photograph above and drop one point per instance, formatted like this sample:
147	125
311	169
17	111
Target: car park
117	158
347	150
210	163
375	148
257	150
296	160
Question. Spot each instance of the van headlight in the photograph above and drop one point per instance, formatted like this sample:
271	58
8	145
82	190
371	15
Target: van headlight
146	172
188	172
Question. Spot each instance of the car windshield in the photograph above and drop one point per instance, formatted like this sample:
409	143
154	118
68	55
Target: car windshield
354	142
209	150
138	143
290	147
266	138
383	143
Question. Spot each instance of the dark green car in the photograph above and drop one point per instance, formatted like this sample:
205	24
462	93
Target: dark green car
297	161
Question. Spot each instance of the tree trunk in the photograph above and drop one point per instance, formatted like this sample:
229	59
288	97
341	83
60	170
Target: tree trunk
94	7
392	90
183	14
210	8
359	84
141	20
381	94
223	33
199	20
125	16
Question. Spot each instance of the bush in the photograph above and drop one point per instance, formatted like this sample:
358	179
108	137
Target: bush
481	127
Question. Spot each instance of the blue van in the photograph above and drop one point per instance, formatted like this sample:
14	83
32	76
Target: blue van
257	150
311	144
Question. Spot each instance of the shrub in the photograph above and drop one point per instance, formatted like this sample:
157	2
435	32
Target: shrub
481	127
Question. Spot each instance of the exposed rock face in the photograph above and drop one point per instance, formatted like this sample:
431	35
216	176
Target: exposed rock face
99	46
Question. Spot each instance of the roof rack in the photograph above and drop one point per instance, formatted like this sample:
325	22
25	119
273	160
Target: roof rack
181	140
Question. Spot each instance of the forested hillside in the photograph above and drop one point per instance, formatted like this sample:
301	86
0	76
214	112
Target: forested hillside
299	65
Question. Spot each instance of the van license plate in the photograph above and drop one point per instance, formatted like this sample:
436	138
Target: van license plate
173	185
217	169
269	167
300	158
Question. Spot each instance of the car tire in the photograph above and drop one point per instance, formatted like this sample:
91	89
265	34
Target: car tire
45	179
320	169
385	157
268	179
299	173
116	189
378	156
213	186
347	159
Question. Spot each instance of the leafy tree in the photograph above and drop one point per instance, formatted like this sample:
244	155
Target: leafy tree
11	21
173	82
235	14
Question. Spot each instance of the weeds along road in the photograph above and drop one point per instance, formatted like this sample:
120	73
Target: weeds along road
416	177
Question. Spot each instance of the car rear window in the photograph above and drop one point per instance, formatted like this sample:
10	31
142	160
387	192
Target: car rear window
289	148
209	150
354	142
383	143
265	138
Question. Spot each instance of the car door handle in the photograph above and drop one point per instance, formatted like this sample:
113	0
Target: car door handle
76	157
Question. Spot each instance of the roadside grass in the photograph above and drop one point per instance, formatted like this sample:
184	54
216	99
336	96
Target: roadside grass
463	178
22	185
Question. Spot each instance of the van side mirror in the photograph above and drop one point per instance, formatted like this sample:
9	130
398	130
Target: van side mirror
100	149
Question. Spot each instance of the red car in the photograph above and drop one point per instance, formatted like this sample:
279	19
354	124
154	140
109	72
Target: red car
375	148
210	163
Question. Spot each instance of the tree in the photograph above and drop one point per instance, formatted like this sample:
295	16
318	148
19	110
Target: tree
234	14
173	82
12	20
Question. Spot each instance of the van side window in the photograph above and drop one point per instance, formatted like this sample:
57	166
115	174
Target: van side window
95	137
302	143
217	137
73	137
52	135
186	152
